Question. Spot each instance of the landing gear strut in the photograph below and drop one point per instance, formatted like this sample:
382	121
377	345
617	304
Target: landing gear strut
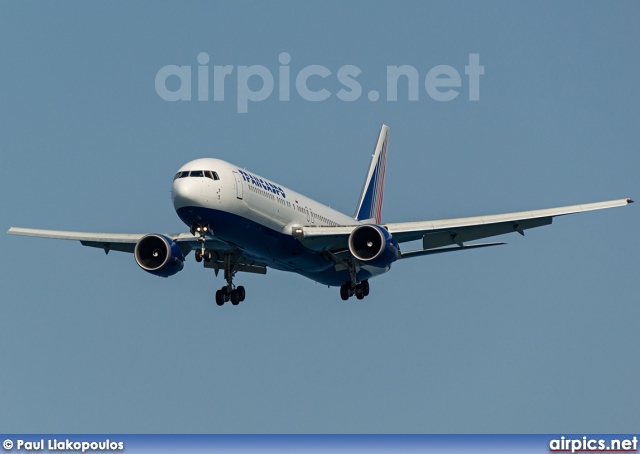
353	287
201	230
230	292
359	290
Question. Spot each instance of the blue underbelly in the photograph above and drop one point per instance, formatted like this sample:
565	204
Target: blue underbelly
256	241
277	250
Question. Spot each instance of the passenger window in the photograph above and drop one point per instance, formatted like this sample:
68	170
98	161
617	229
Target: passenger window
196	173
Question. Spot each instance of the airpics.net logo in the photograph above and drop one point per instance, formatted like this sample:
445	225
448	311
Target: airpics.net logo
256	83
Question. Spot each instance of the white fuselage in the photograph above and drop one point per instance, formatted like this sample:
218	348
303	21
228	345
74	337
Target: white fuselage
251	196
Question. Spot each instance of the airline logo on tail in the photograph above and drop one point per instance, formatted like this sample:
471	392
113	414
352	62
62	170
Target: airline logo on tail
370	205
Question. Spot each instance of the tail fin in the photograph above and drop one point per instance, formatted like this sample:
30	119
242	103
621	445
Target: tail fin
370	204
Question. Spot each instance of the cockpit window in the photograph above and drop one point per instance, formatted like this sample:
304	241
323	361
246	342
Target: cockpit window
197	173
211	174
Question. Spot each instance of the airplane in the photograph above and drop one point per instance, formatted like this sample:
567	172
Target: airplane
241	222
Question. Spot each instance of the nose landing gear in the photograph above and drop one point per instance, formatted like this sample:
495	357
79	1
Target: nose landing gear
229	292
201	230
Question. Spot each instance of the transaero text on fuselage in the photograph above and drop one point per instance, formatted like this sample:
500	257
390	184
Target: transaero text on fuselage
256	181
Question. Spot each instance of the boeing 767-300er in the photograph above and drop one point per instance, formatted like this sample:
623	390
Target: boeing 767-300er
239	221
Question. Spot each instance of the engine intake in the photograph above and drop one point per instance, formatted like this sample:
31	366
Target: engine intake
158	255
373	245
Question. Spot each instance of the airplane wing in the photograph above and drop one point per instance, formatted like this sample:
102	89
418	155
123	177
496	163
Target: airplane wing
126	242
448	232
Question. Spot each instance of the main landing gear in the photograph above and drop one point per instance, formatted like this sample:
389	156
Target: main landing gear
359	290
230	292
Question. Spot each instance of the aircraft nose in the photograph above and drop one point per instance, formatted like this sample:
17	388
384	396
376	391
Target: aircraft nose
186	192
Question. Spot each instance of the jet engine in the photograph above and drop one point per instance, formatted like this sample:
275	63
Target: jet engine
373	245
159	255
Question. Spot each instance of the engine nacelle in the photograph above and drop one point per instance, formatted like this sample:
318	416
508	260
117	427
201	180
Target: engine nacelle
159	255
373	245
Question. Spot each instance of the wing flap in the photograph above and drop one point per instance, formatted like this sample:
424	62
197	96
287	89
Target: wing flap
461	235
409	254
109	246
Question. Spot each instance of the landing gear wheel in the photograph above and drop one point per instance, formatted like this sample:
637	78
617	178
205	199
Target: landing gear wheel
365	287
344	292
241	293
206	255
235	298
219	297
359	292
198	255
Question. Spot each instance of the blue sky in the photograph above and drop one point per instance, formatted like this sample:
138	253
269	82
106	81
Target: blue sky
537	336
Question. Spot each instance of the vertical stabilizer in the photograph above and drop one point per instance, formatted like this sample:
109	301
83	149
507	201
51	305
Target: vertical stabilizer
370	204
